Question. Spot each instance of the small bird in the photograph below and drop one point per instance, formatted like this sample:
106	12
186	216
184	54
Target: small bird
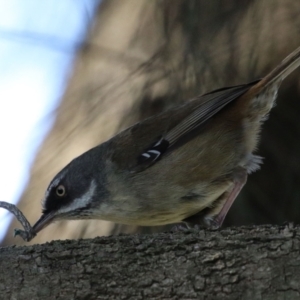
187	164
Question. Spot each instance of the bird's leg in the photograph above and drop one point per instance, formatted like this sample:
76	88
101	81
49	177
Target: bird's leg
217	215
214	216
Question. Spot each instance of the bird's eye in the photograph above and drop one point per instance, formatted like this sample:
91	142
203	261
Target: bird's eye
60	191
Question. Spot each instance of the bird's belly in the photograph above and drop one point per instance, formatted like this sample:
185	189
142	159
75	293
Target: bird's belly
158	211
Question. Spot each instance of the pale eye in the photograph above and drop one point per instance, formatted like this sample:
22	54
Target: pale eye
60	191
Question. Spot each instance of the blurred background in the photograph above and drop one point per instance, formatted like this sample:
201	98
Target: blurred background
74	73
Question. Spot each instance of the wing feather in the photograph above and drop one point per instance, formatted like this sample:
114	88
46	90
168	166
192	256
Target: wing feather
209	105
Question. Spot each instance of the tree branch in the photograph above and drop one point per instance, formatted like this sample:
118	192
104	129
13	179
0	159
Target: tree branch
234	263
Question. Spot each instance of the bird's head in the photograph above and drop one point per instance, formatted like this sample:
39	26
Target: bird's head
74	192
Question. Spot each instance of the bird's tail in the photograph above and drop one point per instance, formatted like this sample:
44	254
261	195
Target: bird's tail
287	66
261	95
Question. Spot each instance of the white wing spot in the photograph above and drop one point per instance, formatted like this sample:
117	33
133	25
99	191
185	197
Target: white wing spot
155	152
158	143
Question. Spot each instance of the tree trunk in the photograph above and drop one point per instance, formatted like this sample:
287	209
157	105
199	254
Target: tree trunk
234	263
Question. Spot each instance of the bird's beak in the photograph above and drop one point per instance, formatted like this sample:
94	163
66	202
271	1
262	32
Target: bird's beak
43	222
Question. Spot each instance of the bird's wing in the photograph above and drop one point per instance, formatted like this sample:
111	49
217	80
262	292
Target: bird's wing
209	105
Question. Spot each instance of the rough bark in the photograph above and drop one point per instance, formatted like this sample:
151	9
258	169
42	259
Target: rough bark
141	57
234	263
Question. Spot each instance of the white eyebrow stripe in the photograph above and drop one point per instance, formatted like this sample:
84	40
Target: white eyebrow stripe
146	155
54	183
57	180
80	202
